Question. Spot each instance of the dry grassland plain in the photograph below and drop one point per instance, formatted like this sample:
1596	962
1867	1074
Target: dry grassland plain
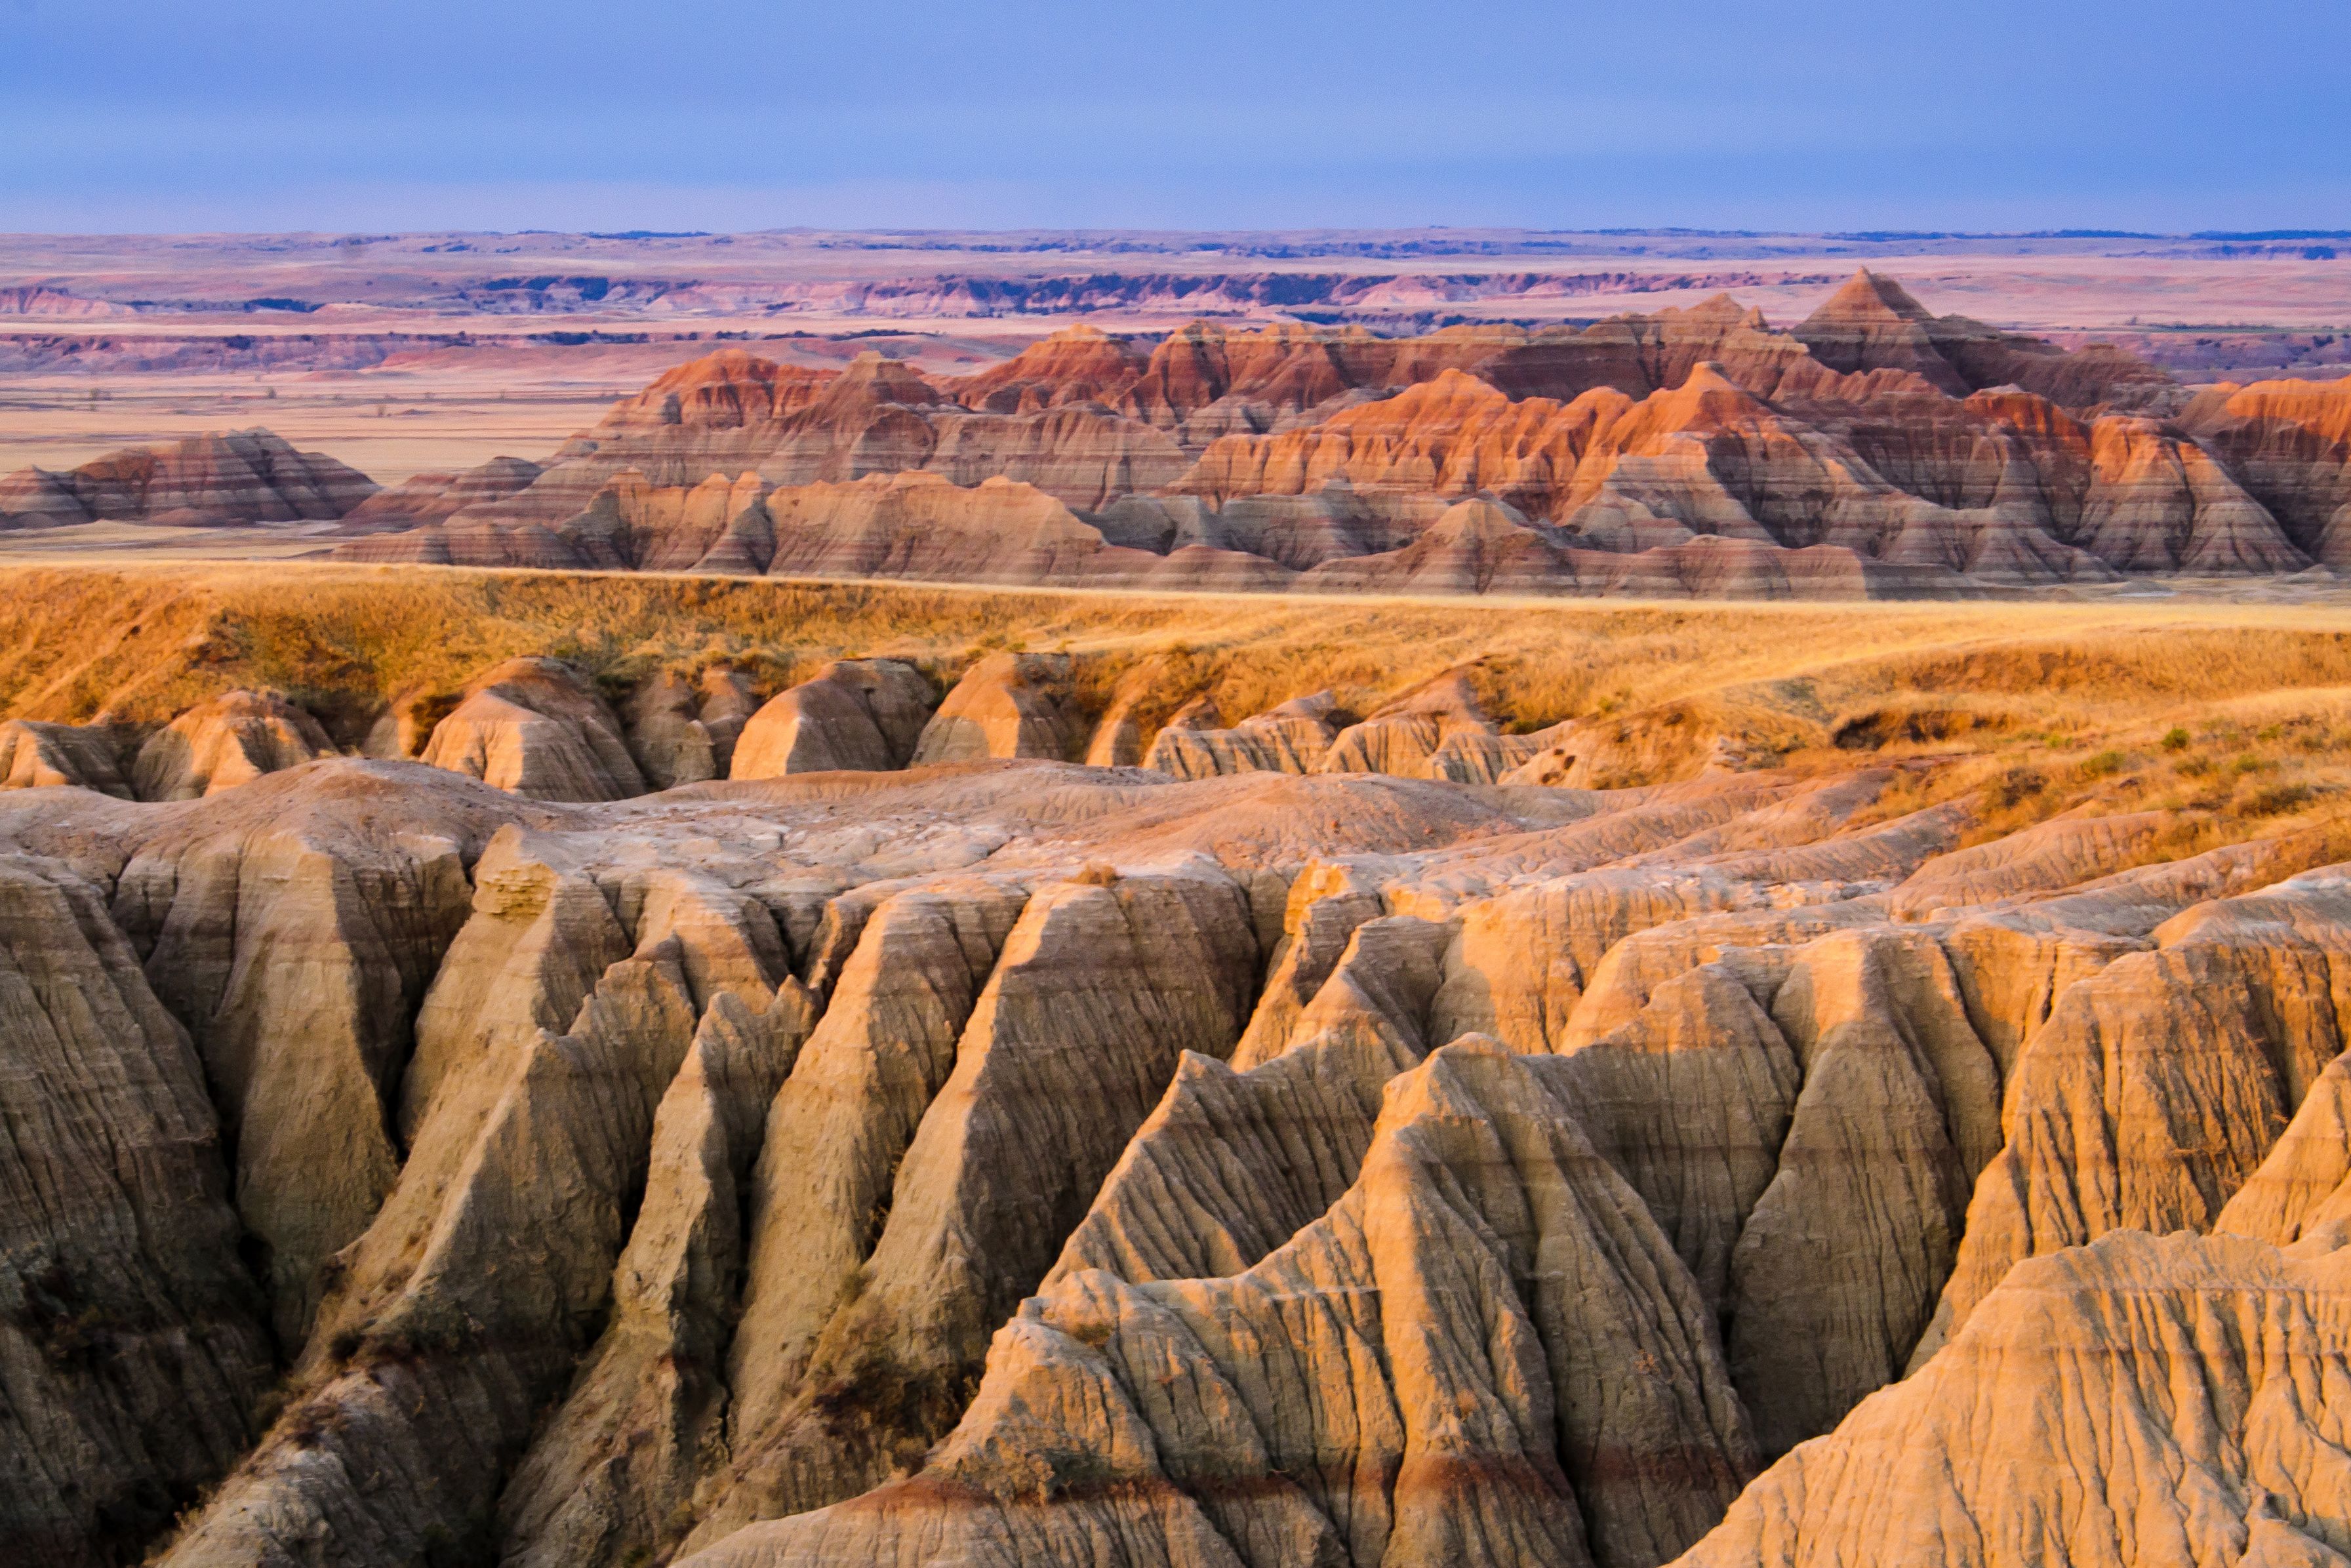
2234	717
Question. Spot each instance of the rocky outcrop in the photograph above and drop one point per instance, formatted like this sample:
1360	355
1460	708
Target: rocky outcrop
1018	1160
612	1474
1407	736
205	481
1517	1369
1290	738
299	959
1873	323
2142	1401
1007	705
433	497
526	1154
1097	992
684	732
1877	450
861	715
34	755
2159	1083
231	740
537	728
134	1350
923	526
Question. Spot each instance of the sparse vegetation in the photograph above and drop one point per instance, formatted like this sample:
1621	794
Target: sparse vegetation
2231	690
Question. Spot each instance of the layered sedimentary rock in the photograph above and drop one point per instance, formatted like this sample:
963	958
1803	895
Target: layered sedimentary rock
134	1347
1876	450
1013	1160
245	477
1007	705
536	727
231	740
1583	1420
1289	738
1440	730
861	715
34	755
2142	1401
1096	993
2159	1084
429	498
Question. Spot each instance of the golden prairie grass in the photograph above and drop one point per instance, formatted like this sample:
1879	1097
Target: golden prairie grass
2031	683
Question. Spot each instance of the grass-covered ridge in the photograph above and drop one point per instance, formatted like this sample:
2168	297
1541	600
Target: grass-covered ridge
2226	715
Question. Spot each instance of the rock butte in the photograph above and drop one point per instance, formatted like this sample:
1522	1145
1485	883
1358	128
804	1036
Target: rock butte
1876	450
1042	1117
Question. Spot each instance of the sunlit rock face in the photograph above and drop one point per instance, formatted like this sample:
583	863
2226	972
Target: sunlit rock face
1875	450
1303	1148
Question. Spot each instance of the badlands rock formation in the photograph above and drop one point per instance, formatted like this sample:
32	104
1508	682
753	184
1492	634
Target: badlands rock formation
231	740
1875	450
536	727
856	716
245	477
1357	1138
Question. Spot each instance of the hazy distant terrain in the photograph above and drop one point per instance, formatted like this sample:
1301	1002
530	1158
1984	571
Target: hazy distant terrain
476	344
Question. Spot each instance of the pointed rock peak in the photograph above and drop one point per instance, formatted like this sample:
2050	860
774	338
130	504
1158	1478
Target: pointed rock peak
1710	387
1868	295
883	380
1480	516
1721	309
724	367
1449	384
1450	694
1707	376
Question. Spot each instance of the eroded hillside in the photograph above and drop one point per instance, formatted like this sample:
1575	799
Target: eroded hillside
813	1082
1875	449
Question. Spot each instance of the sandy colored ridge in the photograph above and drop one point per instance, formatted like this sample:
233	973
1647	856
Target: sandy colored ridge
138	643
615	1070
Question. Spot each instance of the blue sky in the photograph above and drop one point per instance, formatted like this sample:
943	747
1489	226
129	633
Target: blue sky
339	114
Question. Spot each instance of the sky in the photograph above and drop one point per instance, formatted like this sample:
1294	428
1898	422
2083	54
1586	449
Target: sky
335	115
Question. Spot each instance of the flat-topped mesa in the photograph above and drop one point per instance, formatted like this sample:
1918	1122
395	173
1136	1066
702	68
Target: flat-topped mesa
243	476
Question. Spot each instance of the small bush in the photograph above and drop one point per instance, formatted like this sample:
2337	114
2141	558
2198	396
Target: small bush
2274	801
2015	787
1097	874
2102	764
2174	739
